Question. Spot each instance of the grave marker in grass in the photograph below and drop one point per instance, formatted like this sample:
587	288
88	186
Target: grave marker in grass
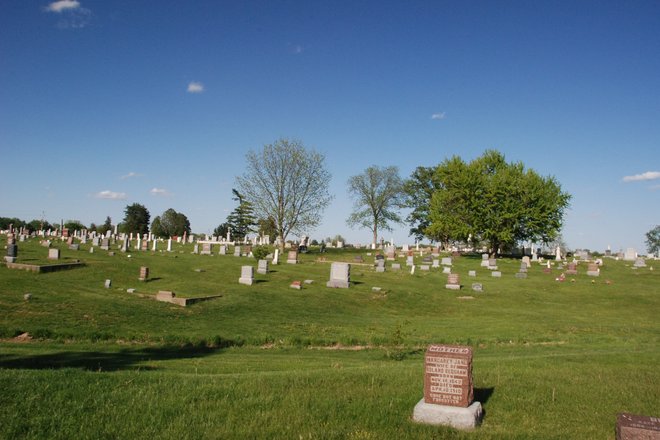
448	392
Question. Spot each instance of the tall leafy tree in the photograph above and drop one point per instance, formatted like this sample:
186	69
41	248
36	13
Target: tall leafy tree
653	240
494	201
377	194
289	183
136	219
170	223
418	190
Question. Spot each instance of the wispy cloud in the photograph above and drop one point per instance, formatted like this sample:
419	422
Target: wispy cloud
649	175
438	116
129	175
195	87
72	15
63	5
160	192
110	195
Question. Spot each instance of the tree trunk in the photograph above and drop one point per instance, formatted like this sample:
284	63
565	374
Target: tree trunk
375	236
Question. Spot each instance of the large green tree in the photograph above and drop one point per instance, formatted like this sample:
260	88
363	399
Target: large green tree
494	201
653	240
136	219
289	183
170	224
418	190
377	196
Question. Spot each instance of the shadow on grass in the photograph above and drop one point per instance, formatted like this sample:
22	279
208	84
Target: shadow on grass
483	394
105	361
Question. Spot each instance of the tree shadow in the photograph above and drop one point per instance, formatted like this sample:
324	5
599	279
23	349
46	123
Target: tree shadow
124	359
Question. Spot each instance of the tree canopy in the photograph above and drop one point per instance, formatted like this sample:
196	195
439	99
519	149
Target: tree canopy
653	240
487	200
377	194
241	220
170	224
287	182
136	219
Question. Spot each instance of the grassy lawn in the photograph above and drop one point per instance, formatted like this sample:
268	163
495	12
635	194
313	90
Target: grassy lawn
552	359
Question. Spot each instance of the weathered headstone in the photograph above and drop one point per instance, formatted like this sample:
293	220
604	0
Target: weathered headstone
527	261
521	275
634	427
523	267
53	254
424	267
496	274
593	270
247	275
453	282
639	262
108	284
571	269
396	266
237	251
446	269
409	260
144	273
292	257
105	244
340	275
448	392
380	266
206	249
296	285
223	250
436	263
276	257
262	267
477	287
484	260
472	273
492	264
446	261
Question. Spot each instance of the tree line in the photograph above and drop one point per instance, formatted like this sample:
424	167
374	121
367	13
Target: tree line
484	202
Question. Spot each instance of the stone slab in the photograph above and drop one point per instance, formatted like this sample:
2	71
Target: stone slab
453	286
634	427
448	375
454	416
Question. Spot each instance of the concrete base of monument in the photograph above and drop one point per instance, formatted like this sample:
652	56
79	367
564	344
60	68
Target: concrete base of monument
454	416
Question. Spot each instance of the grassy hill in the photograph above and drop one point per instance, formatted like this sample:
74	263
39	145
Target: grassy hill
552	359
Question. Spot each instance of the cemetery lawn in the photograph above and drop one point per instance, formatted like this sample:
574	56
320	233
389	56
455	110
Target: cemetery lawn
551	359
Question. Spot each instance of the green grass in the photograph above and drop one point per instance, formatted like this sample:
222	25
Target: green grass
552	360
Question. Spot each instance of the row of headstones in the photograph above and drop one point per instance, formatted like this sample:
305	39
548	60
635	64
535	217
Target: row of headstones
340	274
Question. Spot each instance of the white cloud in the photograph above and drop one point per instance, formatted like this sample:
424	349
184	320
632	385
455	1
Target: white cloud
438	116
62	5
111	195
160	192
649	175
129	175
195	87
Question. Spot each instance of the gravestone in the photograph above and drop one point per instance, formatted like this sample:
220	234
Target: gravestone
496	274
105	244
145	245
276	258
96	241
412	270
380	266
340	274
223	250
292	257
477	287
169	245
396	266
144	273
521	275
630	254
262	267
390	253
247	275
639	262
154	246
593	270
527	262
523	267
484	260
195	249
453	282
53	254
74	247
571	269
409	260
108	284
446	261
425	267
296	285
472	273
448	392
436	264
12	251
492	264
446	269
206	248
634	427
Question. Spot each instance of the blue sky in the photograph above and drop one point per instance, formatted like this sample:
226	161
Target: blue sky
107	103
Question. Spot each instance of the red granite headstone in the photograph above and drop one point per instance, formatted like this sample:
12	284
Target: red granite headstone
448	375
633	427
